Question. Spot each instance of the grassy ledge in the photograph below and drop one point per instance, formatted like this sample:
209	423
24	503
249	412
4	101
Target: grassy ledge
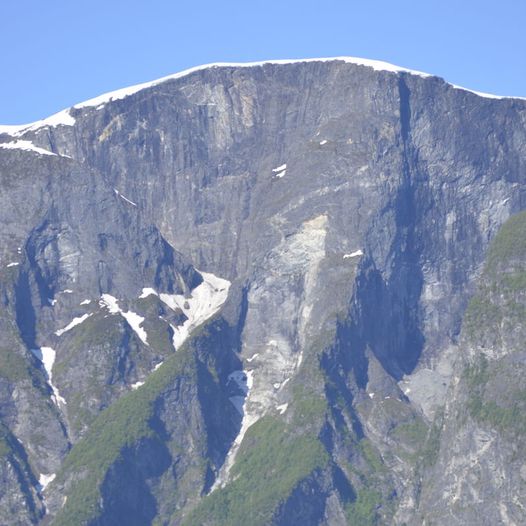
121	425
271	462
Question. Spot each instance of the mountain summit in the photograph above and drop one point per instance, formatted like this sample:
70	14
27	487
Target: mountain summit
282	293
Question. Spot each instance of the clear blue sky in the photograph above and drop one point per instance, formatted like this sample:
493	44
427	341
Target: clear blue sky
55	53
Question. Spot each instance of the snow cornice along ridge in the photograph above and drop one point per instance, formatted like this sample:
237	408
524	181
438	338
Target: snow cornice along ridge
17	130
125	92
64	117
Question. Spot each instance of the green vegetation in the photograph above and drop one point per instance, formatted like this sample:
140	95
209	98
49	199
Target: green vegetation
477	375
159	337
374	502
80	416
514	282
431	449
364	510
509	418
120	426
414	433
504	276
5	447
498	307
496	317
158	330
13	367
309	404
411	438
98	329
271	462
509	244
308	407
15	360
103	334
515	312
480	315
371	456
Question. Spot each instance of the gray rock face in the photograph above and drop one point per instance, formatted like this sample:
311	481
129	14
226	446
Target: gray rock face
313	233
483	420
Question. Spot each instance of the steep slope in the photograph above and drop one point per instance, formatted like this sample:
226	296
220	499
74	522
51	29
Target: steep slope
482	435
70	348
339	212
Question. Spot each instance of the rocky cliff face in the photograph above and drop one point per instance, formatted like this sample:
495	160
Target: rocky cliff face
238	296
479	465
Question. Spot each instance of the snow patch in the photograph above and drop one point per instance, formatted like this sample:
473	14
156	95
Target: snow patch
354	254
14	264
282	408
111	302
147	292
134	321
62	118
250	379
125	198
67	291
136	385
484	95
132	318
280	168
323	142
47	355
100	101
157	366
44	480
27	146
253	357
85	302
205	300
247	421
280	171
73	323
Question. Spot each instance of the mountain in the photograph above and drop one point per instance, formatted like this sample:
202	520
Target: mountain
282	293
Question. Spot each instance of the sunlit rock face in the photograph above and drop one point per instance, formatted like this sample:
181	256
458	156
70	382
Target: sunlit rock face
237	296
